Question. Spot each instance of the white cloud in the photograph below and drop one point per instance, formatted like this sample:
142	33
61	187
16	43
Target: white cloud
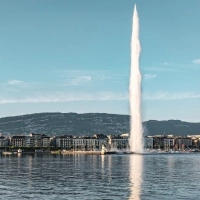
81	80
197	61
100	96
66	97
169	64
149	76
161	68
104	77
15	82
171	96
172	67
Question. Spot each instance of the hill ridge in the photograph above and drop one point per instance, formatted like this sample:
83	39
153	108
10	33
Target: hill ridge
57	123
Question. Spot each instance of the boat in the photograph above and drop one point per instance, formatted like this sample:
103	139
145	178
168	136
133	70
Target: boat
110	152
7	153
105	151
19	151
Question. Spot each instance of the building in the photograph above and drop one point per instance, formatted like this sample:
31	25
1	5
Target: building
90	143
118	142
100	141
17	141
195	141
53	141
45	141
185	143
78	143
2	141
158	142
169	143
28	141
36	140
64	142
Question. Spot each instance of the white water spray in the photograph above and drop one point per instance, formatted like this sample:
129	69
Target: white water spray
136	133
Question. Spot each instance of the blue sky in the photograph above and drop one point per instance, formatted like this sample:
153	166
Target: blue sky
74	56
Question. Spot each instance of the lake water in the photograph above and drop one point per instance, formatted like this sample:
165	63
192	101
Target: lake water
172	176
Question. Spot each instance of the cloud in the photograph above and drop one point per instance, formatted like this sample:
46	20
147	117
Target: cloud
149	76
81	80
171	96
15	82
99	96
66	97
197	61
161	68
172	67
102	77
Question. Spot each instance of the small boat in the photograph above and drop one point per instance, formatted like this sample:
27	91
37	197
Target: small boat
19	151
110	152
7	153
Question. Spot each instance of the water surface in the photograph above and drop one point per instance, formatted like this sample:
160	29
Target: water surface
44	176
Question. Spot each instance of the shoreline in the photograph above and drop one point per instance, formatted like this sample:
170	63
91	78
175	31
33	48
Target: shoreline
65	152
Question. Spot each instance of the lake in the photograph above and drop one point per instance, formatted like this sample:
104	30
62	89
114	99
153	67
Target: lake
148	177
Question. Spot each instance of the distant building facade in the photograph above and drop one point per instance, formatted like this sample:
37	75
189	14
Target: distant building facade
64	142
118	142
17	141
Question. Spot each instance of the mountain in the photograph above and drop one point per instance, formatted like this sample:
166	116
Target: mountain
89	124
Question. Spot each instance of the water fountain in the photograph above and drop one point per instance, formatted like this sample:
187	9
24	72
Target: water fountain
136	132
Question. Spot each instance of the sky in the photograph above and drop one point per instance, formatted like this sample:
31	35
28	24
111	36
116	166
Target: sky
74	56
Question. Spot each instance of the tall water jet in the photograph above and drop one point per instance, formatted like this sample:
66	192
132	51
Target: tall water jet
136	133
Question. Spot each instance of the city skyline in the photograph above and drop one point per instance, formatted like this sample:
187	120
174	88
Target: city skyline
74	56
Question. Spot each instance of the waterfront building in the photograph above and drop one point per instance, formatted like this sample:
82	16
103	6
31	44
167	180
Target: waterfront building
45	141
187	142
53	141
158	141
117	142
17	141
28	141
184	143
78	143
97	141
195	142
2	141
90	143
64	142
100	140
178	143
169	143
36	140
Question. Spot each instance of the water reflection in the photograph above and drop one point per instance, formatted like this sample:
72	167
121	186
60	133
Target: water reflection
136	169
102	162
